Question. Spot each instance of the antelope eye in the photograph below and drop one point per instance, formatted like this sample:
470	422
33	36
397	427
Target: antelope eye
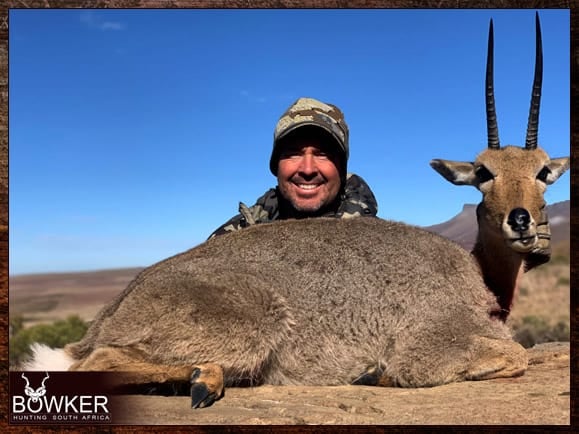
483	174
543	174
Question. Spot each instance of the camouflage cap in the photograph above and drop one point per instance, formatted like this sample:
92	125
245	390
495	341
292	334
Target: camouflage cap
309	111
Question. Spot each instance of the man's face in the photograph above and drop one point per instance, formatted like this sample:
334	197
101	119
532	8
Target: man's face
308	175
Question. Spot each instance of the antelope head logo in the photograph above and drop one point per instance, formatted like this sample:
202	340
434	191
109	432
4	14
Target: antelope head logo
33	394
511	179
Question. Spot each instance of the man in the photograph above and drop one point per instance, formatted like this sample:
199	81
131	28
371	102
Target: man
309	159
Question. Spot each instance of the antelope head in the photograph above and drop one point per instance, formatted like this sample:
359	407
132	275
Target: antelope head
35	394
511	179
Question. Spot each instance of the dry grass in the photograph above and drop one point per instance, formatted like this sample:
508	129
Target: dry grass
544	292
542	307
45	298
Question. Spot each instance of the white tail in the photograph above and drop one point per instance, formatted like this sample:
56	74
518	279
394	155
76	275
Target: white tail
45	358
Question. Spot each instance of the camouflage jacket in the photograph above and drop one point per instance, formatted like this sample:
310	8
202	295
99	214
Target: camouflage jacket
356	200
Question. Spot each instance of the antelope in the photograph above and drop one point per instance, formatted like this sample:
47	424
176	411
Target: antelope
35	394
318	301
514	234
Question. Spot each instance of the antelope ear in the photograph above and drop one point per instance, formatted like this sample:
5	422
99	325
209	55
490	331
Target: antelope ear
457	172
557	167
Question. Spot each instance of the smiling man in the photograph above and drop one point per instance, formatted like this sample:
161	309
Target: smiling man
310	159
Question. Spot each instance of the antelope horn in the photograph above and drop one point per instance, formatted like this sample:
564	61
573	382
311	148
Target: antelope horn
533	125
492	127
27	382
45	378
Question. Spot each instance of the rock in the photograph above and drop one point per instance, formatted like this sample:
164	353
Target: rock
541	397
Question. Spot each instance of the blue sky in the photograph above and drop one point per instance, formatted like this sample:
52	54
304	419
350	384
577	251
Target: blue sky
135	133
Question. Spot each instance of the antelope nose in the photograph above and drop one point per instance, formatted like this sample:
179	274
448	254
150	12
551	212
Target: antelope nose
519	219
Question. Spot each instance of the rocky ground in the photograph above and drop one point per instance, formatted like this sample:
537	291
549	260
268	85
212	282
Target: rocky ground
540	397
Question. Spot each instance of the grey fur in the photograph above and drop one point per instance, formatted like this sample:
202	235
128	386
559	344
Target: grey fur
313	302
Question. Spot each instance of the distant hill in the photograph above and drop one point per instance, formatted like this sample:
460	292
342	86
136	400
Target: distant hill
49	296
462	228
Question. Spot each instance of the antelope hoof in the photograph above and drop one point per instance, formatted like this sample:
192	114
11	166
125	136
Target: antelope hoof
206	385
201	396
374	376
500	359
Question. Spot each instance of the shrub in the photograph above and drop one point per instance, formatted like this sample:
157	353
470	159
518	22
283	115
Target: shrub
535	330
563	281
16	324
55	335
560	259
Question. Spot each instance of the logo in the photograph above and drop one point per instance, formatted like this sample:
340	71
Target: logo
65	403
35	395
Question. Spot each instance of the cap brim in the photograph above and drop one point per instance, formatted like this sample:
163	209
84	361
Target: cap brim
313	124
275	153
